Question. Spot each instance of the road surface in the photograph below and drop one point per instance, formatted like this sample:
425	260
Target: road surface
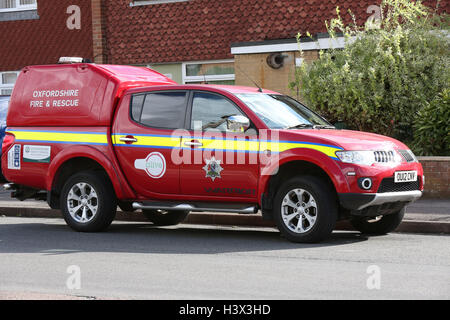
43	258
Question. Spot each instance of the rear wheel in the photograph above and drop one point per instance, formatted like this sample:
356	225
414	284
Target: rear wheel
305	209
164	217
88	201
378	225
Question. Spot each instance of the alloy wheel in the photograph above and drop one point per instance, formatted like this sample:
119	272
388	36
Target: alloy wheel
82	202
299	210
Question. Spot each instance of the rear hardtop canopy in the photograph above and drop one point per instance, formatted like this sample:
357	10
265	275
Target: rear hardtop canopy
78	94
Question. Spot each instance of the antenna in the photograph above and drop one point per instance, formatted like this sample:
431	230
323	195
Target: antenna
254	82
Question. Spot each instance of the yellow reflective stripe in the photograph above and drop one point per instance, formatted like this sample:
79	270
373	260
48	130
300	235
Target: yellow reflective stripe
171	142
224	144
59	137
285	146
227	144
329	151
156	141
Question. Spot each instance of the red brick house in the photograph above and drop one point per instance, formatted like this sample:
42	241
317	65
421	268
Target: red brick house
189	40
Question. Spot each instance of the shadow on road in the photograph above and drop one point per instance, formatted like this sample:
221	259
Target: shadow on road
56	238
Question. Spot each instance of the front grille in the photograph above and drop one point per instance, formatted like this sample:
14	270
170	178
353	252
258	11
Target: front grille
406	155
384	156
388	185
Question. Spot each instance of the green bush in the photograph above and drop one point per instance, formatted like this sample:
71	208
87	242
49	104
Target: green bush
388	73
432	127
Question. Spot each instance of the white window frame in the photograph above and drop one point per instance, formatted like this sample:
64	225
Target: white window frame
150	2
8	86
20	7
220	77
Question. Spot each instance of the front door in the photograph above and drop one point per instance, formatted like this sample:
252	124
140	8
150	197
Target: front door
143	140
222	164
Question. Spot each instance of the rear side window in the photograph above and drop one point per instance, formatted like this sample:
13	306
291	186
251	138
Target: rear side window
160	109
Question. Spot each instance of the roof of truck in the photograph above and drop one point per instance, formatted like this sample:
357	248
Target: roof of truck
122	73
239	89
134	73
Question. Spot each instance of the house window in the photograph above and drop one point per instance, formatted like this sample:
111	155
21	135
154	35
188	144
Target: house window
7	81
17	5
150	2
212	72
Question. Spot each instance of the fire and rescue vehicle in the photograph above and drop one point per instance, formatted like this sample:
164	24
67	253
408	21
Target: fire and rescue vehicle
88	138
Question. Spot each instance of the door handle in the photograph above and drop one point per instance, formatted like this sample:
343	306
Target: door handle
128	139
193	144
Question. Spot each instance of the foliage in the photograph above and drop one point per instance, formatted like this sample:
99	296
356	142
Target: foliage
388	73
432	134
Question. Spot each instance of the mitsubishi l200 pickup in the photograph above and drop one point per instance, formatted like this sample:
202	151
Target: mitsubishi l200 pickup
88	138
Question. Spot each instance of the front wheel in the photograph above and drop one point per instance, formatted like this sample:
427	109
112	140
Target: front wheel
88	202
378	225
164	217
305	209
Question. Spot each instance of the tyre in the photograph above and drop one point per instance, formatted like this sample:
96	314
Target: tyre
88	201
380	225
165	218
305	209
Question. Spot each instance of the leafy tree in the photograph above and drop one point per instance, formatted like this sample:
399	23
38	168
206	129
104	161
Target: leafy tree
389	71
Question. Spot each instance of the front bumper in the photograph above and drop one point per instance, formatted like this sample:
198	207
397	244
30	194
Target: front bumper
360	201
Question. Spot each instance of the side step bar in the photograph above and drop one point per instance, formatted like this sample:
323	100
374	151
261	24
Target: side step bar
195	208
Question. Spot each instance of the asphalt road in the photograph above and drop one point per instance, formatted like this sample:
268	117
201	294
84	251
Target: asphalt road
138	261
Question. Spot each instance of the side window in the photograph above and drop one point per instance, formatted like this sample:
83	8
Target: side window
137	102
160	109
211	111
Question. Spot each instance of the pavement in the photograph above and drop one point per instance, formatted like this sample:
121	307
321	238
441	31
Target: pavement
422	216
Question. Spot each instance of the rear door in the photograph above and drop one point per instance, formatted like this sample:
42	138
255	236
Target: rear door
144	135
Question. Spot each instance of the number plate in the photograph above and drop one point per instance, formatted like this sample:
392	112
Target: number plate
405	176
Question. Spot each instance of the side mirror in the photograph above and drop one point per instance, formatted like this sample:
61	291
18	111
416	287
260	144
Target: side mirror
237	124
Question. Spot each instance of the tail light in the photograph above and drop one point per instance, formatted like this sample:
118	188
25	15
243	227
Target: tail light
8	141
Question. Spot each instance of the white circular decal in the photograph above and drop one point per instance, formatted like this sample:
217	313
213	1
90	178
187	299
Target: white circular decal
154	165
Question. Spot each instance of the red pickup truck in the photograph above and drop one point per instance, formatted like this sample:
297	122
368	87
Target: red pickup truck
88	138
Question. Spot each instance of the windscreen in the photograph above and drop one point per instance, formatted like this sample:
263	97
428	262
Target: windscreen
280	111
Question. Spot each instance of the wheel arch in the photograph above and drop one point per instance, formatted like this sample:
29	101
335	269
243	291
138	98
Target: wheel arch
81	158
318	165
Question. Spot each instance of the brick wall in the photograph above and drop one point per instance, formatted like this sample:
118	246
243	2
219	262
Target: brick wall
98	34
257	69
204	29
437	176
45	38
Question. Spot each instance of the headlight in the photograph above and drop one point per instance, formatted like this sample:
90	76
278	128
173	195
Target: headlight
369	157
356	157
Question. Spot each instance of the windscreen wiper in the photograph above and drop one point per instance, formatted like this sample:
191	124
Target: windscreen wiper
324	126
308	125
301	126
